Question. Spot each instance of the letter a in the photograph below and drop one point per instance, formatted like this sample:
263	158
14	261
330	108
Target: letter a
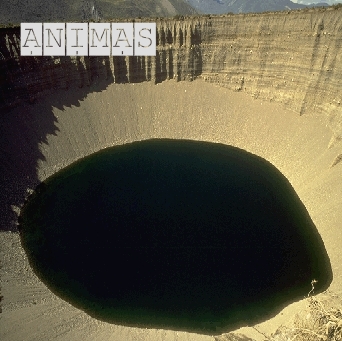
126	39
31	42
122	39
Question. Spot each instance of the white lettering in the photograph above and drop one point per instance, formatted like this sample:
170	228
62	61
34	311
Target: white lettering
122	39
96	49
55	46
93	39
31	39
77	39
145	39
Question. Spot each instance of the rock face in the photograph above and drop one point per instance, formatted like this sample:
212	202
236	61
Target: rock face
55	111
288	57
291	57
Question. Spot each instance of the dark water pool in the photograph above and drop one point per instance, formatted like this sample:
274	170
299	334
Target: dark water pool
173	234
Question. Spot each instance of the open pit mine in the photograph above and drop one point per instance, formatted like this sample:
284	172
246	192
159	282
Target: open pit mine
269	84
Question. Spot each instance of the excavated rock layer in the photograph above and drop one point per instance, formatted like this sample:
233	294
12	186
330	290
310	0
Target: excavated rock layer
291	57
56	110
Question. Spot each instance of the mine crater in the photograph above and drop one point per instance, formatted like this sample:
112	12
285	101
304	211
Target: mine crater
175	234
56	110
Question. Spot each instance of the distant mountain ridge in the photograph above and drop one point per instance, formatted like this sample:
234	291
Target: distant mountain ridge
74	10
244	6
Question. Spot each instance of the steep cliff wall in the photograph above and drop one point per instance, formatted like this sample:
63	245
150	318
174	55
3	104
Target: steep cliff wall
27	78
288	57
292	57
54	111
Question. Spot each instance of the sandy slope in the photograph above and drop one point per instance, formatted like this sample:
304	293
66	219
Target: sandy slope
296	145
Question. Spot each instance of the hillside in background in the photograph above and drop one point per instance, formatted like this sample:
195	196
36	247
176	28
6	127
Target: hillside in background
146	8
245	6
79	10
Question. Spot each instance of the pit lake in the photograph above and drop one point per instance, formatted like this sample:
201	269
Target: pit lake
173	234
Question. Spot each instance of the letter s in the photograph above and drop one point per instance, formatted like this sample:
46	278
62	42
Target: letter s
139	44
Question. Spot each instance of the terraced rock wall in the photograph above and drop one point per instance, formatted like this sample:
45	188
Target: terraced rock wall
293	57
288	57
